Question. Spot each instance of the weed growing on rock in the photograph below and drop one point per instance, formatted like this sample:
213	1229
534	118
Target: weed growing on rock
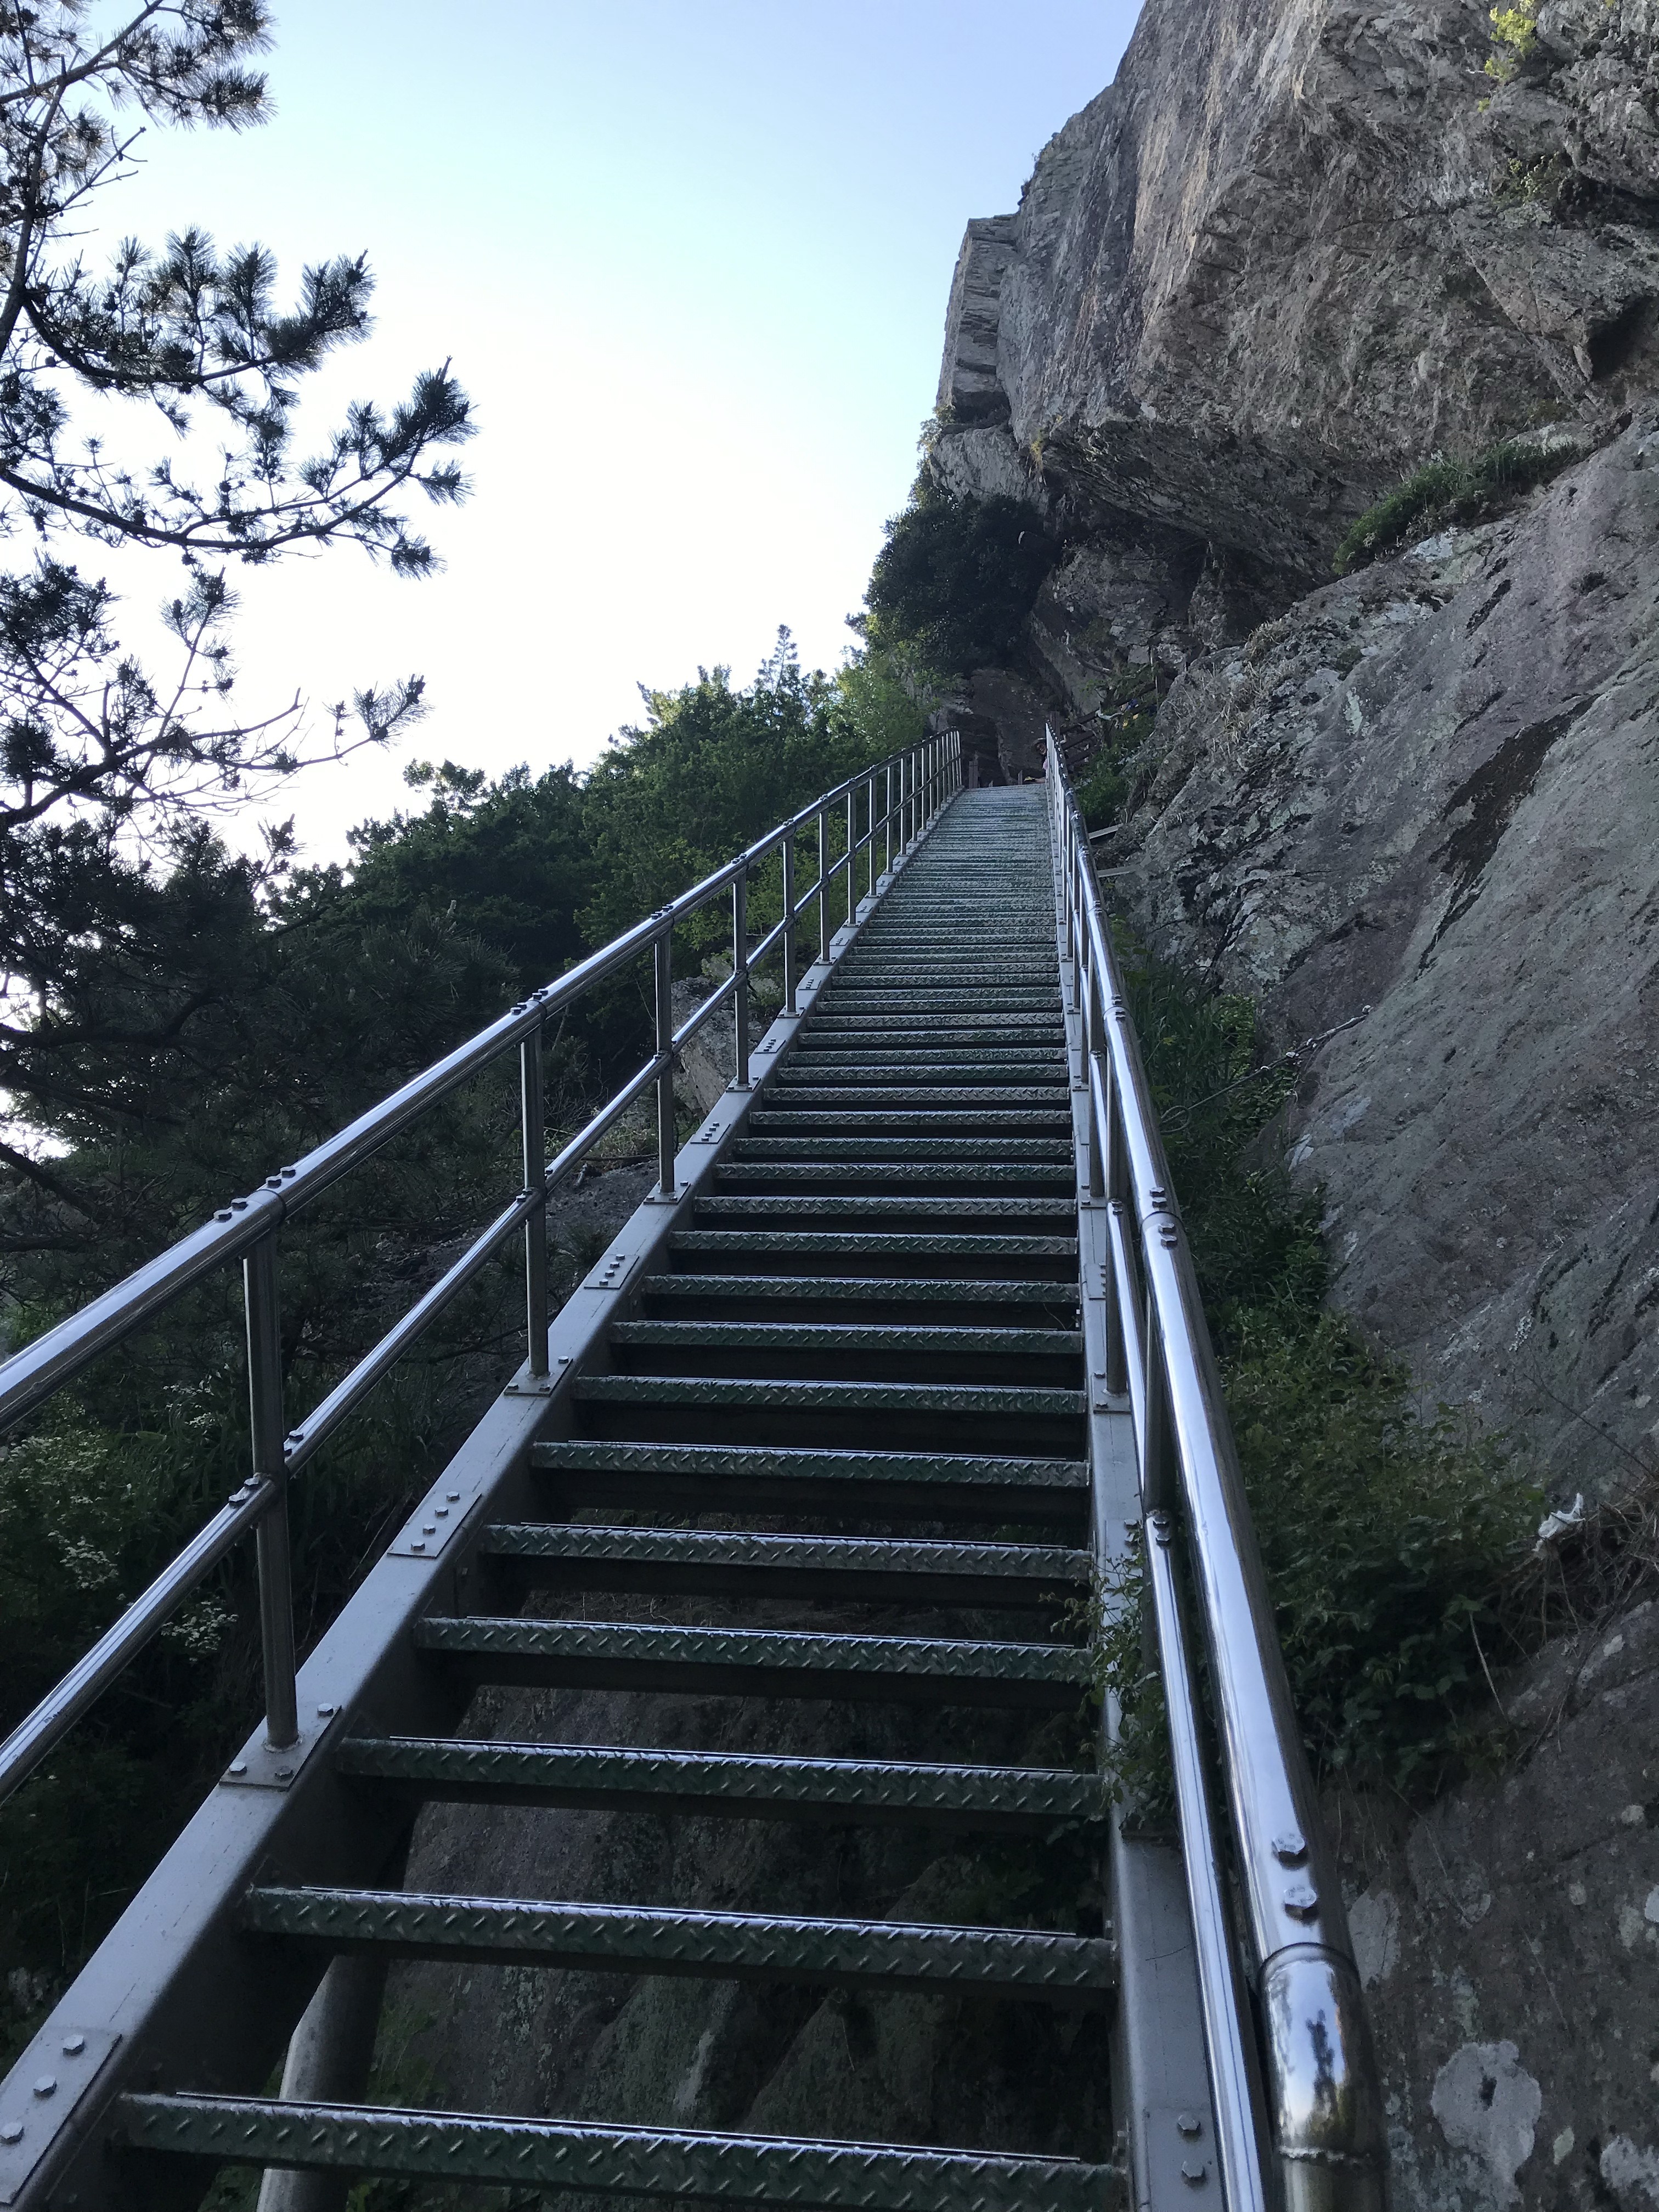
1515	36
1444	491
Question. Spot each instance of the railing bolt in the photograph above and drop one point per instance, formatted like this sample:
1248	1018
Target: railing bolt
1291	1847
74	2045
12	2132
46	2086
1194	2173
1302	1900
1189	2124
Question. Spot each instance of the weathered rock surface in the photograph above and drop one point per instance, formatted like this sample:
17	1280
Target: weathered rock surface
1294	249
1428	796
1508	1941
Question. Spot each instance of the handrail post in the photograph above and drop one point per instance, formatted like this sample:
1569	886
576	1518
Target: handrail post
823	883
887	816
261	1300
740	977
852	855
870	835
532	1097
789	923
663	967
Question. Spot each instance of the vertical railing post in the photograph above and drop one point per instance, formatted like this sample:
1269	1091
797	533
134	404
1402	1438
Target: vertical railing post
789	923
740	977
870	834
262	1302
887	815
663	964
533	1101
852	853
823	883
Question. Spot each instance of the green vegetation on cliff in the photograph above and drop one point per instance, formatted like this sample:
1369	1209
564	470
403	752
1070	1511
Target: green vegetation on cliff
957	577
1391	1532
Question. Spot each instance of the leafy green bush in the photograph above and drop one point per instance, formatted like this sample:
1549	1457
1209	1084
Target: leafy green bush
1390	1539
957	577
1442	492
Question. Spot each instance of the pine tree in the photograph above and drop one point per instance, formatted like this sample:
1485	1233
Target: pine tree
105	763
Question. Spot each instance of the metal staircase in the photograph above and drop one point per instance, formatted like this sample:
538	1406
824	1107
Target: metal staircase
867	1350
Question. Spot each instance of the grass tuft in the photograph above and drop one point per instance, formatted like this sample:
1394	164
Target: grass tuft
1443	492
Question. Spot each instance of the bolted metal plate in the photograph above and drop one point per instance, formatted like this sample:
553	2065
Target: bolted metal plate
260	1766
42	2094
567	2154
443	1511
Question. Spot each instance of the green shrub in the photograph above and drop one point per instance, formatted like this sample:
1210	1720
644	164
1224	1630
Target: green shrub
1390	1539
957	577
1442	492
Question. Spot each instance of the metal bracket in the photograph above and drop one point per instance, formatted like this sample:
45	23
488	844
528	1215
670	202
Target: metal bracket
59	2067
257	1766
617	1268
1181	2157
446	1506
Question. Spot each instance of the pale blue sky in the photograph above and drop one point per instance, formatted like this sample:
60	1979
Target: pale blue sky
691	260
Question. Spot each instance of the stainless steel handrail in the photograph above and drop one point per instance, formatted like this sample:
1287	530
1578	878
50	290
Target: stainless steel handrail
1324	2125
926	776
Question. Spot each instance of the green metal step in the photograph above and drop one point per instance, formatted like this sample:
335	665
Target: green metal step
1008	1962
845	1349
1011	1151
556	2156
844	1206
693	1785
741	1562
906	1063
857	1290
992	1101
917	1174
863	1247
789	1120
754	1662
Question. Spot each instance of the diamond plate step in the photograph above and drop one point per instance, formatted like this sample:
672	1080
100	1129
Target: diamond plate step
919	1175
766	1410
1018	1212
741	1562
756	1662
837	1062
840	1290
1009	1962
1014	1152
790	1120
680	1478
1011	1800
560	2156
989	1102
848	1337
872	1250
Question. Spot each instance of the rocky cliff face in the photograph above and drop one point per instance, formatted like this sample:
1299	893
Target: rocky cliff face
1299	249
1298	246
1294	250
